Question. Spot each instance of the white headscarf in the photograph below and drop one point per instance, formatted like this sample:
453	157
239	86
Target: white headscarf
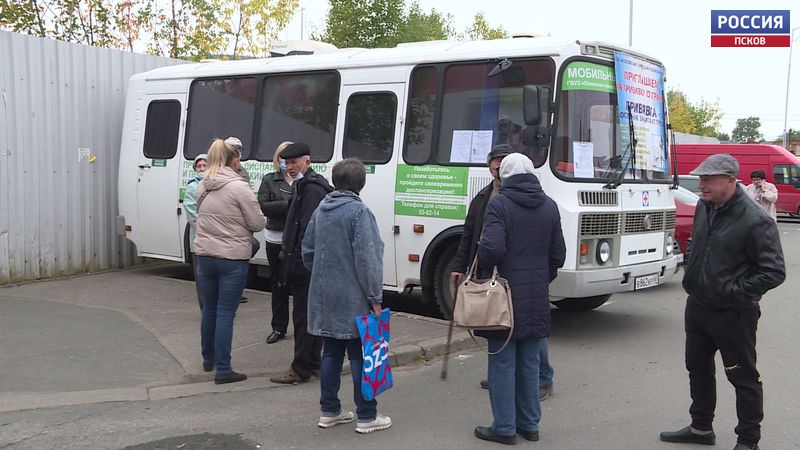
515	164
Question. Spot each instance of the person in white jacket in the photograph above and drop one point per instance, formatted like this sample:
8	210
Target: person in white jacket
763	192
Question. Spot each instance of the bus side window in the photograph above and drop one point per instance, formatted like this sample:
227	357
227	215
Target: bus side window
219	108
161	129
299	107
421	112
369	127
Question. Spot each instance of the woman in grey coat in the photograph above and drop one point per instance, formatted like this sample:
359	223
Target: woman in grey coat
343	250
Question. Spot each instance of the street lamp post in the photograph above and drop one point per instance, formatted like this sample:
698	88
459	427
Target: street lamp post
788	78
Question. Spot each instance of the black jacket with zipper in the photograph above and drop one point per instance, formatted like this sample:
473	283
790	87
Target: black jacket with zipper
273	196
737	258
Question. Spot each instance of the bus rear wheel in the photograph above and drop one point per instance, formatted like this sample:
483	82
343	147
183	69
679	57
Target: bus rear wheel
443	290
582	304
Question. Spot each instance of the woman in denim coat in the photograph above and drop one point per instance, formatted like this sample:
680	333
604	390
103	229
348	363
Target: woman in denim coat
343	250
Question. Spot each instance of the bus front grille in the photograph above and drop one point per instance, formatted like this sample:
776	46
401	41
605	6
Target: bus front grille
644	222
597	198
600	224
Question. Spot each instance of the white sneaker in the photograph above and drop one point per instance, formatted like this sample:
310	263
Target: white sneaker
380	423
342	417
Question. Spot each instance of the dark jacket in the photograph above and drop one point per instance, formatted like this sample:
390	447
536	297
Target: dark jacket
735	260
472	229
307	192
273	196
522	237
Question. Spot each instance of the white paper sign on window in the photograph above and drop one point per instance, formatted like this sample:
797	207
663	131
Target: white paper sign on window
461	149
583	157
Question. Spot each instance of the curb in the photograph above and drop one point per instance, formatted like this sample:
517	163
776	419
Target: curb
403	355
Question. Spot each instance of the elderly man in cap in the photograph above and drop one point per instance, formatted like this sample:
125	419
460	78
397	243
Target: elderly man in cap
308	189
736	258
473	225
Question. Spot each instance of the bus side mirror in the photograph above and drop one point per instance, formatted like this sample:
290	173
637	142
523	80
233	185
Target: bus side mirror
536	114
537	105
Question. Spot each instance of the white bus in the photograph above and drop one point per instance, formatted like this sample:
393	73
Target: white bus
422	117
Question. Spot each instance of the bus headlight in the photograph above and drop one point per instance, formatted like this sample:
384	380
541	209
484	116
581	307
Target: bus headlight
670	244
603	253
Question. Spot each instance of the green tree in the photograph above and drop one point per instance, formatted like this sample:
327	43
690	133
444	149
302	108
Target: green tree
724	137
421	26
364	23
252	25
87	22
746	130
702	118
480	29
680	114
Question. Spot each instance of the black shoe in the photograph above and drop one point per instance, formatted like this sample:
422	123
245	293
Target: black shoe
230	377
741	446
484	384
275	336
487	434
208	367
529	435
686	436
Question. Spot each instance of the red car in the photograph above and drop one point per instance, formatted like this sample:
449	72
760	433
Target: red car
685	203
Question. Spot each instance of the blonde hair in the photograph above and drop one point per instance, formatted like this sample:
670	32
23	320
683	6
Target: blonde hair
276	161
220	154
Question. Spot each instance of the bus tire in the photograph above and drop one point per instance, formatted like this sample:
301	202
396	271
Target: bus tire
443	291
582	304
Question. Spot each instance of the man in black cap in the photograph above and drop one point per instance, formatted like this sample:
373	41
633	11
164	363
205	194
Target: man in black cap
473	225
308	190
736	257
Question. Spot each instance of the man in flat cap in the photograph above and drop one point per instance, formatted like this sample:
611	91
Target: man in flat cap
308	189
736	257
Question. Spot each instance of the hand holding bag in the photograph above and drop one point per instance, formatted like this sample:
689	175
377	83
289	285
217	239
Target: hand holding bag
484	304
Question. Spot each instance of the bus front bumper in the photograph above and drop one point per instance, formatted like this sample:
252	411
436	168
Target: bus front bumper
589	283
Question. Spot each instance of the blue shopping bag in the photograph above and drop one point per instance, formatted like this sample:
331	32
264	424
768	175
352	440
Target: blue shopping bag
376	376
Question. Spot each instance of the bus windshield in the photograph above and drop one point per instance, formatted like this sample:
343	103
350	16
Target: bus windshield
591	141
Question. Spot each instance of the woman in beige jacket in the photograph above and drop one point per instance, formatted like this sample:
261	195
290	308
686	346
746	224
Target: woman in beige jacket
227	216
763	192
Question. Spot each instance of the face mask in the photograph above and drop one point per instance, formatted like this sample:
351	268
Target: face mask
198	176
282	165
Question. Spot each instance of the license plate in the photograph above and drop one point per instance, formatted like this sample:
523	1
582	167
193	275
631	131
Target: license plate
645	281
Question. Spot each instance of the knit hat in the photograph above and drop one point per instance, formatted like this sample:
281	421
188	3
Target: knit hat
198	158
515	164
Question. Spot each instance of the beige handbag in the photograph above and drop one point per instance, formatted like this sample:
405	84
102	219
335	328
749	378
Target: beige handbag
484	304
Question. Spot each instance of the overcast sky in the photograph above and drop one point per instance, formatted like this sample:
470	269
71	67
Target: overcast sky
746	81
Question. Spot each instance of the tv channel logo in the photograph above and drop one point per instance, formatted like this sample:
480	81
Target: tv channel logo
750	28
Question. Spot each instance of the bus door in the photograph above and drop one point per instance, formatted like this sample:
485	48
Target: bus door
372	127
159	177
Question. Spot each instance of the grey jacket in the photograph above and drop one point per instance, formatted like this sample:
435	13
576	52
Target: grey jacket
343	250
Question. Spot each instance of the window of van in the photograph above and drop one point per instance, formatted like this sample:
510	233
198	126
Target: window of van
369	127
300	108
219	108
787	174
161	129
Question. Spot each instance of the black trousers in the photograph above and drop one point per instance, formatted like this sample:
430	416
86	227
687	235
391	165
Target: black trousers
307	347
280	290
733	333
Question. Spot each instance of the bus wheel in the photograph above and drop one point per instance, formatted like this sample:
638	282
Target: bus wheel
582	304
443	290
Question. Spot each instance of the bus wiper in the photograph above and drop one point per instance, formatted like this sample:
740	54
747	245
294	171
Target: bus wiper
631	149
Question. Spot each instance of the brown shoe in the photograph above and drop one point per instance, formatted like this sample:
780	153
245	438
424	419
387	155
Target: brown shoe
288	377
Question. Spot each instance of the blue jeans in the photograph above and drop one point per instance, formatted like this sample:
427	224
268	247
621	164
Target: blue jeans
330	378
545	369
221	283
514	385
